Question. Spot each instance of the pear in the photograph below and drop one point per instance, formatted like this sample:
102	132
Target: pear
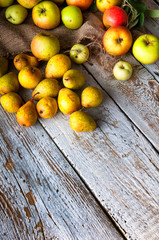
91	97
47	107
68	101
81	122
29	77
73	79
3	66
57	66
9	83
22	60
27	114
11	102
46	88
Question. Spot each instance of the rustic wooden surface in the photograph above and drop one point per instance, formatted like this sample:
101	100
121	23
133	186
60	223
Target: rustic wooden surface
57	184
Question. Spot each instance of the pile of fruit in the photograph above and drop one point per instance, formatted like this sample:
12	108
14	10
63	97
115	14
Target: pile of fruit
58	88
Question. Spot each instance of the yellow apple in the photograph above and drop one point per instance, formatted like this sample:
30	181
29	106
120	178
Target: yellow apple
28	3
146	49
105	4
6	3
46	15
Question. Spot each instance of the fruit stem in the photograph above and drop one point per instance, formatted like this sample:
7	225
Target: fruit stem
34	96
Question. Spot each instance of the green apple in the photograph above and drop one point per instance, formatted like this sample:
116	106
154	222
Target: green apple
16	14
72	17
46	15
122	70
146	49
6	3
28	3
79	53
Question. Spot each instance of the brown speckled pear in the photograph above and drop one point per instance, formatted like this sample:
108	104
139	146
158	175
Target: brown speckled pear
27	114
9	83
68	101
22	60
82	122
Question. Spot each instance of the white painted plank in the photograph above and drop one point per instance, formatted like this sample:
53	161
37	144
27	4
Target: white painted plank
41	197
117	163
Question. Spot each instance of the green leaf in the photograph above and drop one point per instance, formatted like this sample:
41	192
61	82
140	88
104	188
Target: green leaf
152	13
93	7
141	20
134	23
139	6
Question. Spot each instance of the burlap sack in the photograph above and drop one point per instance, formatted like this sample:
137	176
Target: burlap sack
16	39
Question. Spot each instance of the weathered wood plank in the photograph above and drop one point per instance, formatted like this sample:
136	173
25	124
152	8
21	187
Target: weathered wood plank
41	197
117	163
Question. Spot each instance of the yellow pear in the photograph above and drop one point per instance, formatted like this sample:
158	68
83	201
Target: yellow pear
29	77
9	83
91	97
3	66
11	102
81	122
68	101
22	60
47	107
27	114
46	88
57	66
73	79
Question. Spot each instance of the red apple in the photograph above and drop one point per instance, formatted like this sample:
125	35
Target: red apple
115	16
82	4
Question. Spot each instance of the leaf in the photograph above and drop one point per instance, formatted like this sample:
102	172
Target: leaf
141	20
139	6
93	8
152	13
134	23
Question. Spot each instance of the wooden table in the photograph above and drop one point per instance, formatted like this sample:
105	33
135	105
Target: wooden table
57	184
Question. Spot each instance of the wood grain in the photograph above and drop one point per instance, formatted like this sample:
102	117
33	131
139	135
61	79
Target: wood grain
116	162
41	196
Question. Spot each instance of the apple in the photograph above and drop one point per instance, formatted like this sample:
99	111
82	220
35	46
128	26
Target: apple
82	4
146	49
16	14
72	17
117	40
122	70
44	46
28	3
79	53
105	4
6	3
115	16
46	15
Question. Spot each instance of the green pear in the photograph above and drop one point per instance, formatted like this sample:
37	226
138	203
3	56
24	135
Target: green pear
46	88
3	66
81	122
27	114
9	83
68	101
47	107
73	79
91	97
11	102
